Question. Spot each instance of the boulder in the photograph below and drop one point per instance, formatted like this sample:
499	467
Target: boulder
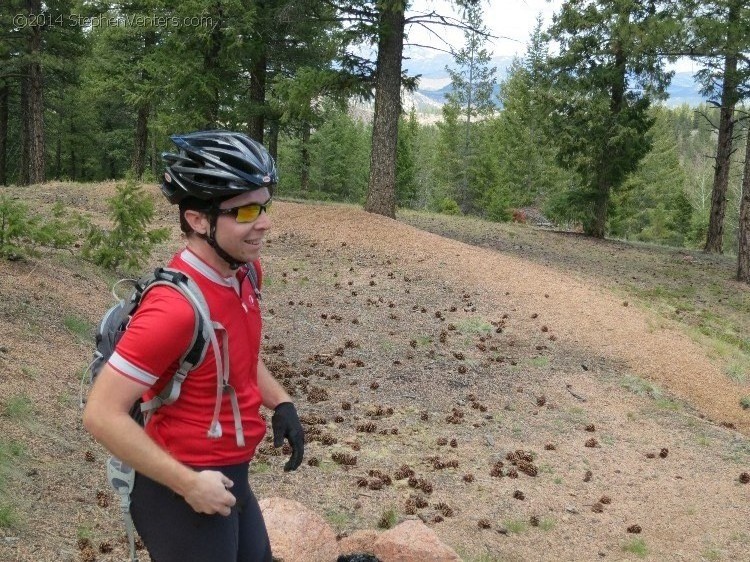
358	541
412	541
298	534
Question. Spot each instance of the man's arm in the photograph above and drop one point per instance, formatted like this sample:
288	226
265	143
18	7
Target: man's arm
285	422
271	390
108	420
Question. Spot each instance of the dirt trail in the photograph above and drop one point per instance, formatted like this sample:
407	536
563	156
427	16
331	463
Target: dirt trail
582	316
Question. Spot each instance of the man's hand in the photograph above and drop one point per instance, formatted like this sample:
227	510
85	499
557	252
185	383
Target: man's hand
210	493
285	424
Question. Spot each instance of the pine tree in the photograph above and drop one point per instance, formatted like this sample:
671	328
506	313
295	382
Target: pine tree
721	35
652	205
472	83
608	72
528	173
406	166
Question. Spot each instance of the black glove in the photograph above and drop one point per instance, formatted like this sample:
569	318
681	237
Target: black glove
285	423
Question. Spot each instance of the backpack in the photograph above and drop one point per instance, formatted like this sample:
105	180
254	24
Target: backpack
113	325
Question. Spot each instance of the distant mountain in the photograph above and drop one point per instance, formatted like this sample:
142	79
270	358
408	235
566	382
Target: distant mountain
435	82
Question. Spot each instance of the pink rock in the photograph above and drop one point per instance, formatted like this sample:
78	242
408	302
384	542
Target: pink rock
412	541
298	534
359	541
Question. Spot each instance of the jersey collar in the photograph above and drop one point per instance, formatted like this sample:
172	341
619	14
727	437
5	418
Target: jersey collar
207	271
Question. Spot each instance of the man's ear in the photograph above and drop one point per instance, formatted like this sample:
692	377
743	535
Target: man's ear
197	220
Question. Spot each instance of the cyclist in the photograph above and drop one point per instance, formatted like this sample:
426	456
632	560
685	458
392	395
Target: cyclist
191	499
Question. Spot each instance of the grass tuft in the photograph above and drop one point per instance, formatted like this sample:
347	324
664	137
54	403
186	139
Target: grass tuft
636	546
388	519
78	327
8	517
640	386
515	525
18	407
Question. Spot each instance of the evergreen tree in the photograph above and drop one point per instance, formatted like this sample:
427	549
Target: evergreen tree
652	205
721	35
472	86
406	166
528	173
608	72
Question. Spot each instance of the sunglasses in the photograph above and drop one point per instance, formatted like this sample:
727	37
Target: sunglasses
247	213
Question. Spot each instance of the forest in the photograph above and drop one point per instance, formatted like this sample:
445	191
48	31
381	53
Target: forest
580	137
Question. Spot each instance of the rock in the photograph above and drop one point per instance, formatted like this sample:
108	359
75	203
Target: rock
298	534
412	541
359	541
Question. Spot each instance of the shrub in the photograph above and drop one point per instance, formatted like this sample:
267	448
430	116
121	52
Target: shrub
21	231
130	242
448	206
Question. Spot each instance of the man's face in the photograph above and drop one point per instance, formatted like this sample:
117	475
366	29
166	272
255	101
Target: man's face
243	240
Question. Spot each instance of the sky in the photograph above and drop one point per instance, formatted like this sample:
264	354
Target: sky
512	21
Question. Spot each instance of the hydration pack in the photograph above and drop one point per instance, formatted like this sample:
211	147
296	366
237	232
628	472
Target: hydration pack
113	325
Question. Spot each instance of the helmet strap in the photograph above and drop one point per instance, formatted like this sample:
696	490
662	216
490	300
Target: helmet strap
233	262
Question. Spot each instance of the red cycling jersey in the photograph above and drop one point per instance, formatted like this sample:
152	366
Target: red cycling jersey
160	333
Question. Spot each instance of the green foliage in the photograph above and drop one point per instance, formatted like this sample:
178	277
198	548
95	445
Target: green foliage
523	141
448	206
130	242
388	519
339	160
469	100
406	166
21	232
636	546
652	205
607	75
16	227
18	407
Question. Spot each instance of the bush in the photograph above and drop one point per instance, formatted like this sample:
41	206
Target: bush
21	232
448	206
130	242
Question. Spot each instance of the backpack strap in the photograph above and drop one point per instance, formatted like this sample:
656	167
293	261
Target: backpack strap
205	332
252	275
198	347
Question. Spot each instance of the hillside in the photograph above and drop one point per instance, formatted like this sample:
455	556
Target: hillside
446	353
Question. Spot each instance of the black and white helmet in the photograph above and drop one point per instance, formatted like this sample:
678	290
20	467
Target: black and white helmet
215	165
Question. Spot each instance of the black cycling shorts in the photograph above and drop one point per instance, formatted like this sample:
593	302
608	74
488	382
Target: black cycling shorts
173	532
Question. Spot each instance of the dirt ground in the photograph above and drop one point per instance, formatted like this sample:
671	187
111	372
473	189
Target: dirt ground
403	347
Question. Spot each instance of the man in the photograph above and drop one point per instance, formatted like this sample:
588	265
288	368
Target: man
191	500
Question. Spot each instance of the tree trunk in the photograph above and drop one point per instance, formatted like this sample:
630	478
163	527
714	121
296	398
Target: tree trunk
58	146
141	141
305	155
3	133
23	175
35	98
743	250
729	98
598	225
381	191
714	239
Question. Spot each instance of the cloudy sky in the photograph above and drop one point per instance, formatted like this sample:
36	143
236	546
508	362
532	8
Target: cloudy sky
512	21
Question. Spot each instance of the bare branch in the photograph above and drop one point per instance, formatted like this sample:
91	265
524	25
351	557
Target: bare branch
427	47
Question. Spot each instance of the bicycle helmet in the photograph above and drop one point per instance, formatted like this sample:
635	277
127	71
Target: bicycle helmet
213	166
216	165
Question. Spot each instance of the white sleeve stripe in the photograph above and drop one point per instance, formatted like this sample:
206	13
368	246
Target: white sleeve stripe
125	367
